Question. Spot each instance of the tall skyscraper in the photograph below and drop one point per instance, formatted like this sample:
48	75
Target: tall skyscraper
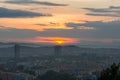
57	50
17	53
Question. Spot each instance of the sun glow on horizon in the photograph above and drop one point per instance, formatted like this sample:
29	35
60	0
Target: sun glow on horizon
62	41
59	41
54	40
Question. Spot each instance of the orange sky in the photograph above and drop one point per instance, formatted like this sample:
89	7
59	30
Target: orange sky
74	12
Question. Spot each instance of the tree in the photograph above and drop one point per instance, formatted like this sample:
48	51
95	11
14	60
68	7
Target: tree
111	73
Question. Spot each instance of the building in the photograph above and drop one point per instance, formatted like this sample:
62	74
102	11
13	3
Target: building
57	50
17	53
15	76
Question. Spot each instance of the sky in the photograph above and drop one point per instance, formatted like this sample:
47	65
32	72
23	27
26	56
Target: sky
60	21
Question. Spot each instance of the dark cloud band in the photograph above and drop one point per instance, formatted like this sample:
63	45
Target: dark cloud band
35	2
11	13
112	11
103	30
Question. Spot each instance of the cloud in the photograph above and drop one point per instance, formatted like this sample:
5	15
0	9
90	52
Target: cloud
41	24
114	7
78	26
112	11
103	31
28	35
109	15
48	24
6	32
35	2
11	13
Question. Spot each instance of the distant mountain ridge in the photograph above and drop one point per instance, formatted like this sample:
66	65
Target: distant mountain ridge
85	45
